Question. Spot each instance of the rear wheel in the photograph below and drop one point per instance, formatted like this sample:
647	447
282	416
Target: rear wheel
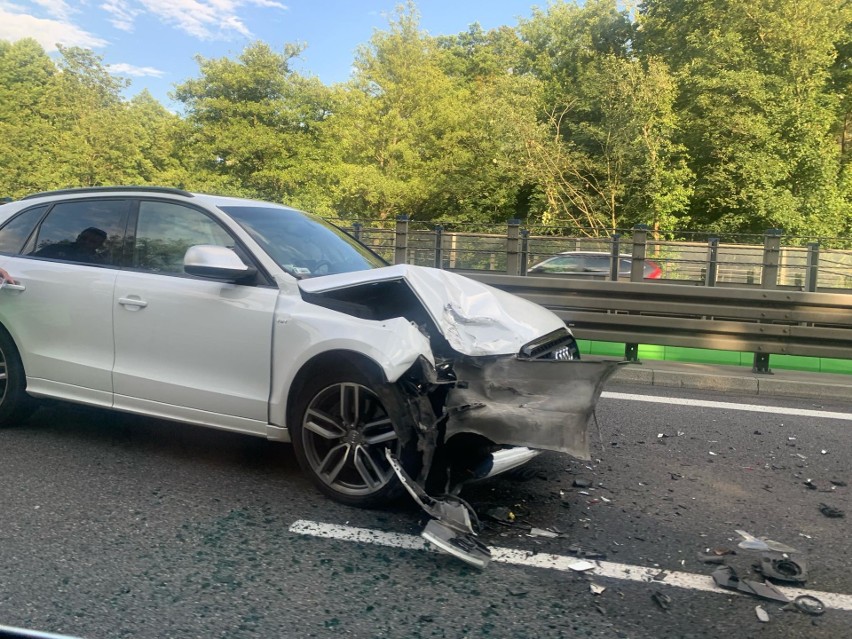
344	423
15	404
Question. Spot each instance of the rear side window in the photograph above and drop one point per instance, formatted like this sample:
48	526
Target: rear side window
84	231
16	231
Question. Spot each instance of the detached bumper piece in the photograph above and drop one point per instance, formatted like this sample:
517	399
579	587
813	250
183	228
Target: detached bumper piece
450	529
543	404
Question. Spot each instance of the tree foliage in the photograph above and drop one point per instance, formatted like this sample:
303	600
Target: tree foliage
731	115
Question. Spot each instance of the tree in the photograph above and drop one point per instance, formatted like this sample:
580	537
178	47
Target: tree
759	113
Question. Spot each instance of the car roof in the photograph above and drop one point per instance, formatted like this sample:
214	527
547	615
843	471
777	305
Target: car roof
137	191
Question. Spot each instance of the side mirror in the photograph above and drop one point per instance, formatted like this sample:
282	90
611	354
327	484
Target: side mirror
216	263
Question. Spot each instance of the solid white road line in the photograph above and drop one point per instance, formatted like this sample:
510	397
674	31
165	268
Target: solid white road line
609	569
700	403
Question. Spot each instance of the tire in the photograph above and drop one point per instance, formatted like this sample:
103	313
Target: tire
15	404
341	428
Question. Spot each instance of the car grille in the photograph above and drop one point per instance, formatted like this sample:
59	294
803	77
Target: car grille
558	345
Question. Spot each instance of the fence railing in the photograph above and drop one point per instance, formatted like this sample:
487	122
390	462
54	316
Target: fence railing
769	264
765	299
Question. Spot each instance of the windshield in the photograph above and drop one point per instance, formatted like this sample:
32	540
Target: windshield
303	245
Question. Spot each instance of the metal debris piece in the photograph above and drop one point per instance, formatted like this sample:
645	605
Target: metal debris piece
831	511
596	588
501	514
762	615
582	483
662	600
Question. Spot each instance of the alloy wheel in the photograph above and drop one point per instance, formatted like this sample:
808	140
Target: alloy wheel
345	432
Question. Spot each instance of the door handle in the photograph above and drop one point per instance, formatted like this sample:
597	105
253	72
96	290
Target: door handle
132	301
14	287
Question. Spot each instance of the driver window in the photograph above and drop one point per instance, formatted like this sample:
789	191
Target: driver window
164	231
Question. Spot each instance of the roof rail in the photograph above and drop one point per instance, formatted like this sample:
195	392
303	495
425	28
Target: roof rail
111	189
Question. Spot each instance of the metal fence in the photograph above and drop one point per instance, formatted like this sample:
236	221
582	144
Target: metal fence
770	260
802	305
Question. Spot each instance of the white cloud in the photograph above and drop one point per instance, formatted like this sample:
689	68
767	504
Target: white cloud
122	13
139	72
47	32
58	9
207	20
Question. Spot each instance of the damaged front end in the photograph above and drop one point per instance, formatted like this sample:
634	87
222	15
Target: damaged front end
507	380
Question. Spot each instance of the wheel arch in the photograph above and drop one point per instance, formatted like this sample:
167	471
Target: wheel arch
333	359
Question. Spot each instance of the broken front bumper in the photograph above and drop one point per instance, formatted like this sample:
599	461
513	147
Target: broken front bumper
542	404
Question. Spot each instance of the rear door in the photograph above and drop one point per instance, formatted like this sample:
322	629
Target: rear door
189	347
64	257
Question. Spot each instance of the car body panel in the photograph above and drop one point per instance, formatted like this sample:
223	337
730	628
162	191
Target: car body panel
62	322
544	405
476	319
187	346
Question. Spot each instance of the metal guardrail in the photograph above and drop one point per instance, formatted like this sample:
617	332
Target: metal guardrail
760	321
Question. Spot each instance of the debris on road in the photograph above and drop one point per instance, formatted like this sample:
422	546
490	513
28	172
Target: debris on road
726	577
542	532
783	567
807	604
596	588
762	615
451	527
831	511
750	542
662	600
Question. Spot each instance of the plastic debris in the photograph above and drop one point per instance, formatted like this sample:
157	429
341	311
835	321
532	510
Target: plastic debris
541	532
596	588
783	567
451	529
831	511
809	605
582	483
750	542
581	566
762	615
662	600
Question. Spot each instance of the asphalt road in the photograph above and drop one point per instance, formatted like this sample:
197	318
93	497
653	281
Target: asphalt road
119	526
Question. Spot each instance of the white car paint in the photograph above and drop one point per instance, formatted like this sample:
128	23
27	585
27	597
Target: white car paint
476	319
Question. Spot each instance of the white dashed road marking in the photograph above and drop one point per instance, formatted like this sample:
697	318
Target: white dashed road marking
701	403
609	569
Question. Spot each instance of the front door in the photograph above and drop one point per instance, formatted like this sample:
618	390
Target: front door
187	347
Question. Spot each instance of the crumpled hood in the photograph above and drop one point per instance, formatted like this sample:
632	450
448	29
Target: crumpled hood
476	319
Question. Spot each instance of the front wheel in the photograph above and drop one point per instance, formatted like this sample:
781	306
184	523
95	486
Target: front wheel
15	404
343	425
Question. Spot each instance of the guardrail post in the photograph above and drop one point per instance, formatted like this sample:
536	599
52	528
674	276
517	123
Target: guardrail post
761	364
439	246
640	246
812	273
356	230
712	262
513	252
400	253
525	250
771	255
614	257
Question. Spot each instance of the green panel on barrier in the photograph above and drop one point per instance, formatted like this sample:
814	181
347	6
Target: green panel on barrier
725	358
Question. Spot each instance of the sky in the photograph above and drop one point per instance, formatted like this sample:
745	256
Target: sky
154	42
